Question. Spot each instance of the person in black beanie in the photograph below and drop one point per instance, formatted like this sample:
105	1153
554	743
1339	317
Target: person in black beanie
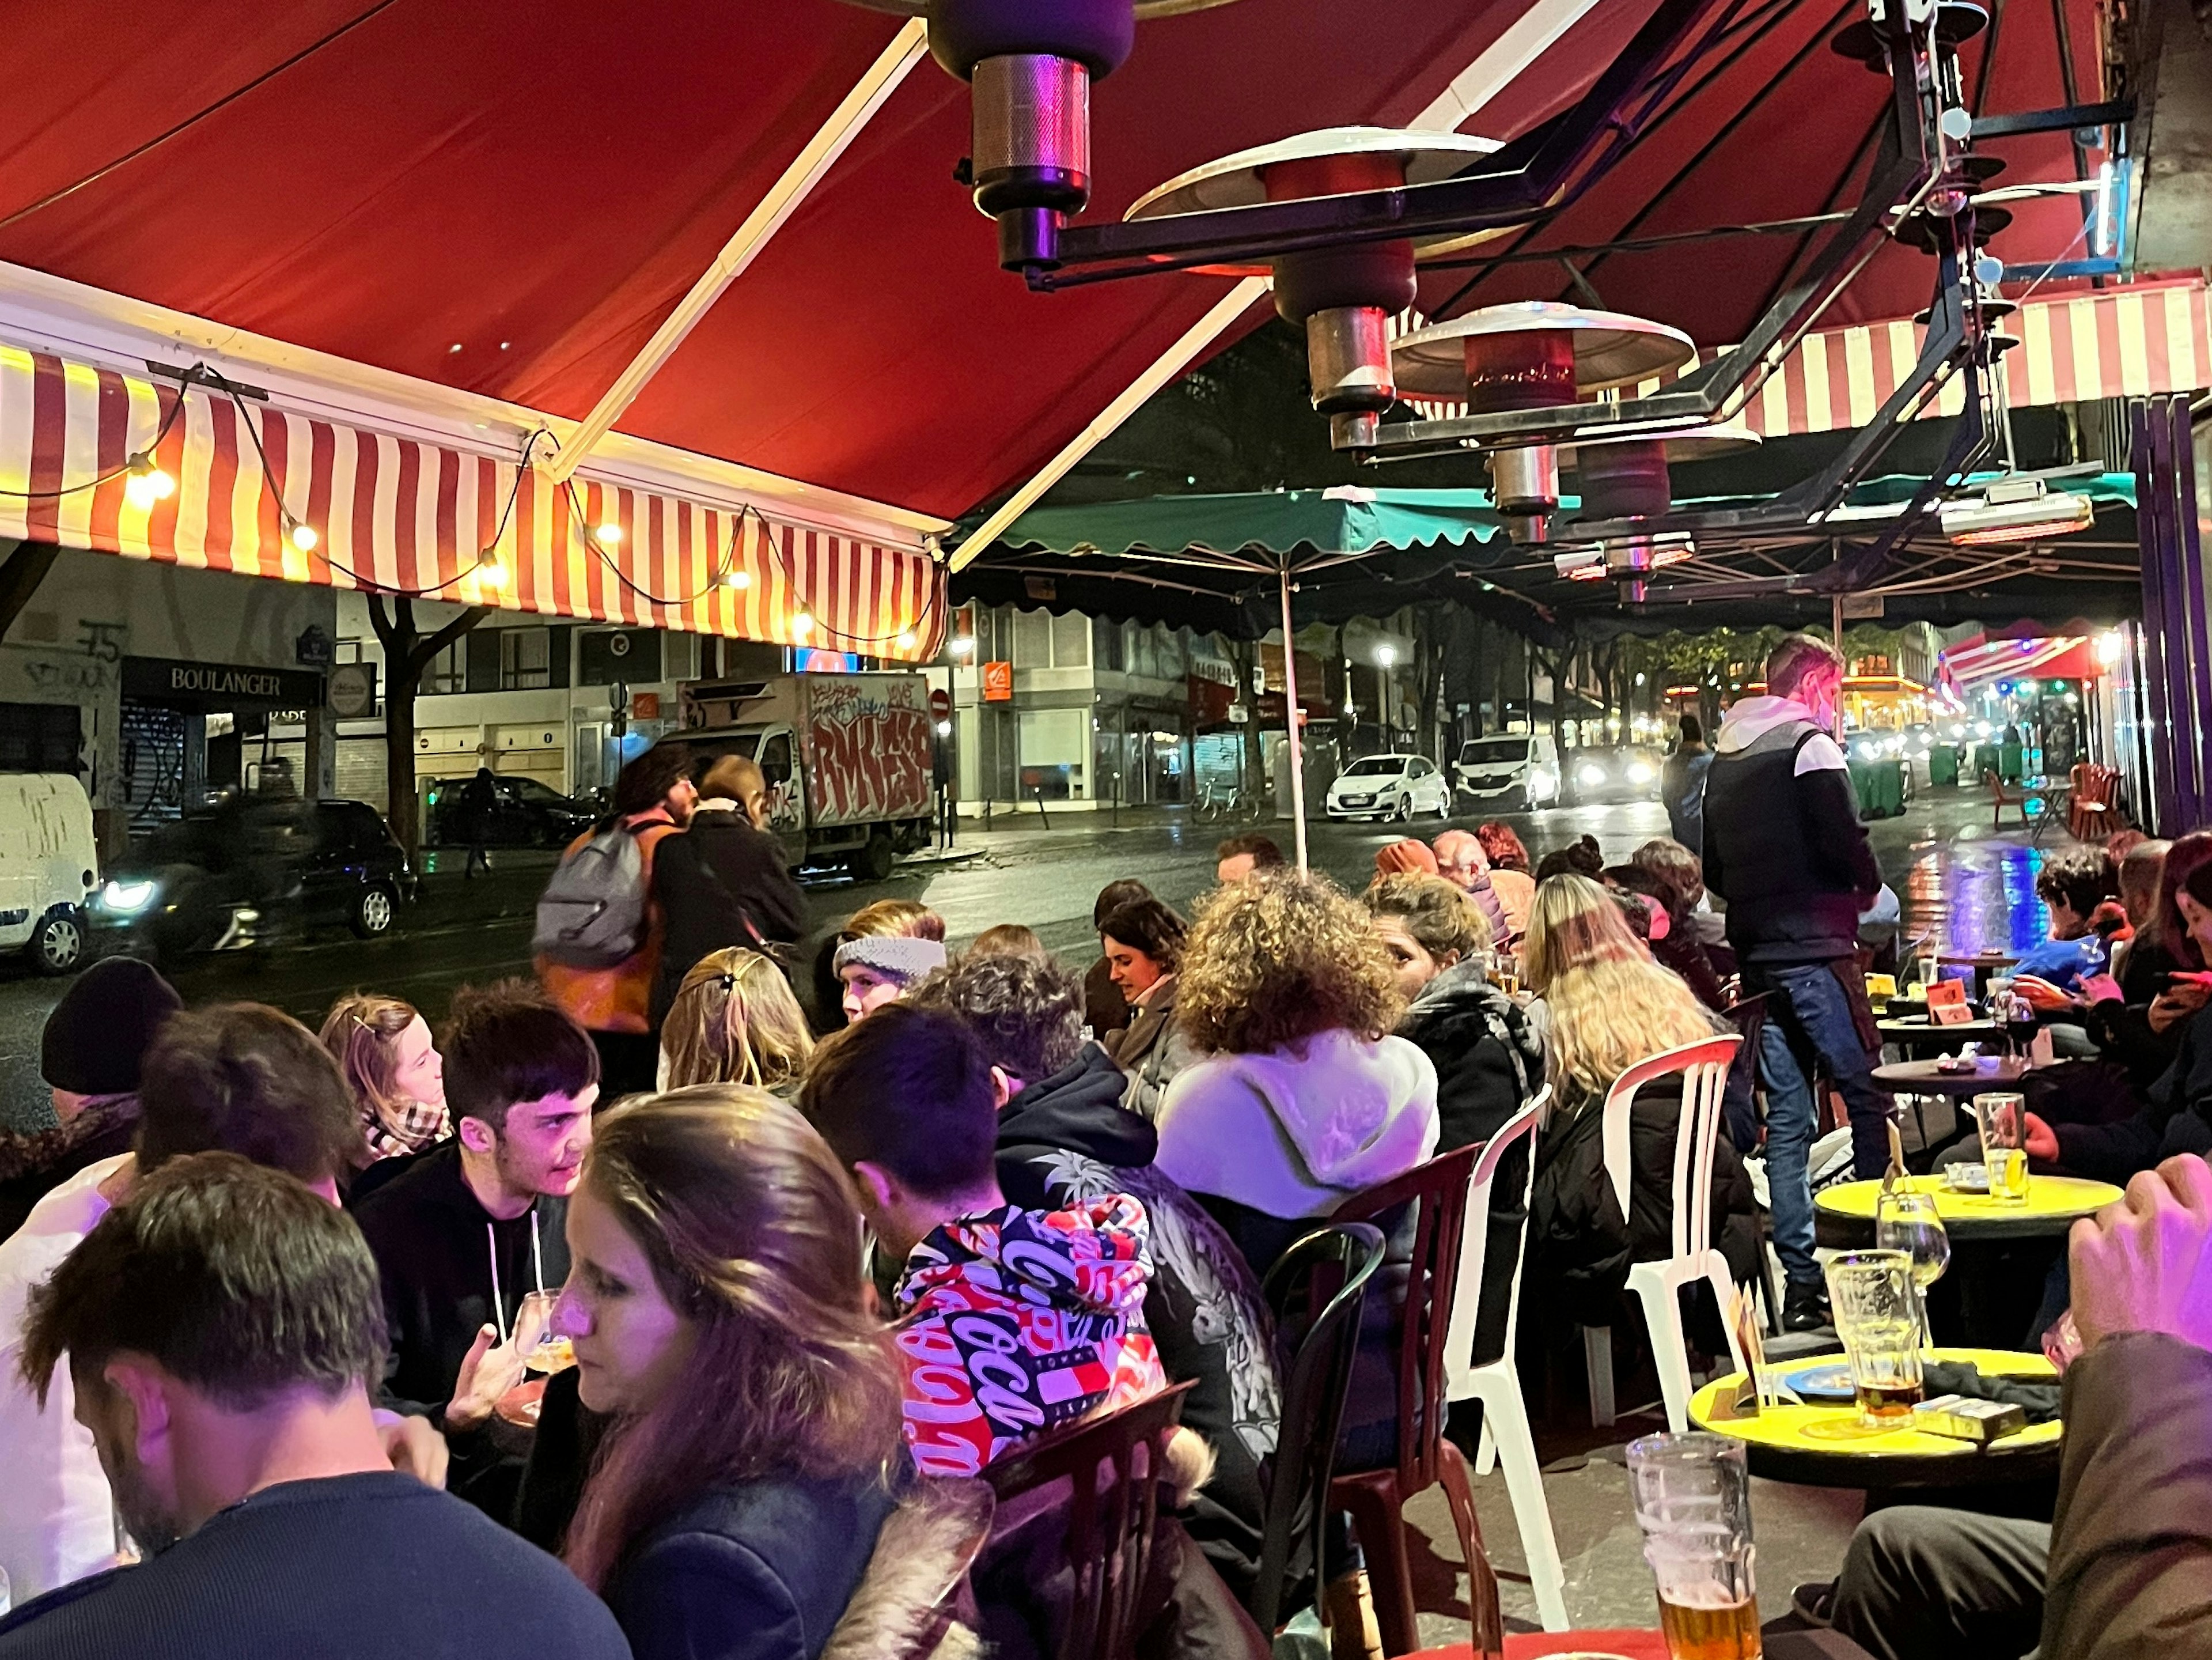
89	1055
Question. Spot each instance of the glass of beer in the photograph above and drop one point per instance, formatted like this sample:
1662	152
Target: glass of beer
2001	1119
1877	1314
1692	1495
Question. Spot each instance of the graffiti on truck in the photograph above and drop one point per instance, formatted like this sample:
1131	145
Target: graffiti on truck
872	753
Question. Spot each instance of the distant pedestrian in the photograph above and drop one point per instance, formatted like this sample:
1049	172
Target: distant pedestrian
479	801
1682	785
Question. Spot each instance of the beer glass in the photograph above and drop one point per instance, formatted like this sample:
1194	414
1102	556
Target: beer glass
1692	1496
1877	1315
2003	1120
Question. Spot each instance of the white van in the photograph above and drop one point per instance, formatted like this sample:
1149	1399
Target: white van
1521	769
49	867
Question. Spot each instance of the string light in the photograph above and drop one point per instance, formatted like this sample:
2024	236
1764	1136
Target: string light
149	482
304	537
963	645
608	535
490	570
738	578
802	625
906	640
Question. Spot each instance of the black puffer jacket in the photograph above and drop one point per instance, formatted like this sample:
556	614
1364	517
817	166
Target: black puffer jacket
1489	1062
1580	1246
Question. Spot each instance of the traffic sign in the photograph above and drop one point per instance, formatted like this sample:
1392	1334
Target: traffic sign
940	703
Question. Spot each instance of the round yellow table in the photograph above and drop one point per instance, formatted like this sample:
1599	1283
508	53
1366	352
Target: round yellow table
1843	1214
1825	1446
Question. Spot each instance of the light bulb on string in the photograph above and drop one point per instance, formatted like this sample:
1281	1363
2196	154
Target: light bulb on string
906	640
304	537
609	535
149	482
738	578
491	570
802	625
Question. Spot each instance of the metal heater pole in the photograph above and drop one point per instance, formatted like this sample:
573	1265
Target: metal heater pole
1290	722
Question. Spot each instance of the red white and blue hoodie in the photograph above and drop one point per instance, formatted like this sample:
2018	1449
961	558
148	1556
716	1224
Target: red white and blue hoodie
1016	1321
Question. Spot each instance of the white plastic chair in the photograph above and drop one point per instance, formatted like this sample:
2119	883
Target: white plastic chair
1704	1069
1505	1434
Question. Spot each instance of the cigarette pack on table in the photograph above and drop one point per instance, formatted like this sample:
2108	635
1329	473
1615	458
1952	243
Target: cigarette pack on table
1961	1418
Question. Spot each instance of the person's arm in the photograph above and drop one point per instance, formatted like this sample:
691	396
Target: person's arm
1830	813
701	1596
2131	1540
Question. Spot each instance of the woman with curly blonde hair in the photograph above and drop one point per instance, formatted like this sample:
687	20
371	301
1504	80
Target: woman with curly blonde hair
1608	1007
746	1399
1302	1095
735	1021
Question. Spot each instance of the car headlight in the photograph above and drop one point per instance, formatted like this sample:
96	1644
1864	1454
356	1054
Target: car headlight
1589	773
1642	772
126	897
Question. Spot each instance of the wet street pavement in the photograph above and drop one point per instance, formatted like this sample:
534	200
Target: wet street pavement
1968	886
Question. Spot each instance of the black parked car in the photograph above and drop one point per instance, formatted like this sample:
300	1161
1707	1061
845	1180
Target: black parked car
249	871
525	813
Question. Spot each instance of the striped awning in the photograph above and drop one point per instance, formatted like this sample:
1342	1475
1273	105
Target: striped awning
2119	343
2054	657
394	515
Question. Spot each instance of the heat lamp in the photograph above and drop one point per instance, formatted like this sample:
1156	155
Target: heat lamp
1537	354
1030	65
1343	296
2016	510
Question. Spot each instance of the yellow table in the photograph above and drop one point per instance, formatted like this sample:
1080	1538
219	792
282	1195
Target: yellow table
1843	1214
1825	1446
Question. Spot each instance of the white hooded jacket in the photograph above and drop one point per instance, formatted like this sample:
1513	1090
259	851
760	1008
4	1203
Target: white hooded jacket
1294	1133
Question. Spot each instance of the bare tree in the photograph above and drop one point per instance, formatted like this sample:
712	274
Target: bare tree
407	653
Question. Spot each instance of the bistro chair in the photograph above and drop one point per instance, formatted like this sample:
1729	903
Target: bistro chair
1330	1269
1703	1068
1436	1195
1114	1466
1506	1437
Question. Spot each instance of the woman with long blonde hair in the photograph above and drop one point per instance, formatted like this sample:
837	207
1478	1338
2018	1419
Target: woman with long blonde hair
1608	1005
384	1048
751	1399
735	1021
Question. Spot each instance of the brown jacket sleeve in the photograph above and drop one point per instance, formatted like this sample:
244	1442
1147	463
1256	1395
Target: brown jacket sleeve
2131	1543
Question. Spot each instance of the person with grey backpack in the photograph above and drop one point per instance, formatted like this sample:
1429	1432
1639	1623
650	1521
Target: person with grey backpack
599	933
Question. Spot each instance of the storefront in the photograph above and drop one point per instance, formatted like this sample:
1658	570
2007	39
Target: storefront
192	730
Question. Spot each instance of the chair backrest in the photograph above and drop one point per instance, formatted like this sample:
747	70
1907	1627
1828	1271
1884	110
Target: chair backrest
1114	1465
1474	1245
1438	1193
1705	1068
1334	1264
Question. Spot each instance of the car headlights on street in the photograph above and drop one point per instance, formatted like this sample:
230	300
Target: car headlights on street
1590	774
1642	772
125	897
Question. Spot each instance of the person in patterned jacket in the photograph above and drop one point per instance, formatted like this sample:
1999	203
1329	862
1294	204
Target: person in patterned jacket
1009	1322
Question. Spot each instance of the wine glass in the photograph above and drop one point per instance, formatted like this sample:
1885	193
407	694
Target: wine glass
1908	1221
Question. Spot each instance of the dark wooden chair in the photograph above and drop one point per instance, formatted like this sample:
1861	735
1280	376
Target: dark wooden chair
1328	1271
1114	1466
1438	1193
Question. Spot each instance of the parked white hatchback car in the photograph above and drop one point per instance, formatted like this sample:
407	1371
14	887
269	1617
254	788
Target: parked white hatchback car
1390	787
49	867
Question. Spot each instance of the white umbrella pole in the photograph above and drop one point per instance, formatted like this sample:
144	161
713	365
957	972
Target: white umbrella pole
1290	722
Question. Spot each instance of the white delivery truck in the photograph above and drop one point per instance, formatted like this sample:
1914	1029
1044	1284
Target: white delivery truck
49	867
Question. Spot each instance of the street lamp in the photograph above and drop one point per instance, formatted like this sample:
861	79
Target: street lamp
1384	656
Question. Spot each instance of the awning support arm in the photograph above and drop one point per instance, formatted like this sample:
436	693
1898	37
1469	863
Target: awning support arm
806	170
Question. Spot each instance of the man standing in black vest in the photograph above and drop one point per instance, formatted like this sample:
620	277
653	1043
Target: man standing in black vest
1784	847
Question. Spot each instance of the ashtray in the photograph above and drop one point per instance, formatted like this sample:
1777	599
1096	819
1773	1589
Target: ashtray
1967	1178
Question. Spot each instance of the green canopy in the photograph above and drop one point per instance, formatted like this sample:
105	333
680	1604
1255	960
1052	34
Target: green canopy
1343	520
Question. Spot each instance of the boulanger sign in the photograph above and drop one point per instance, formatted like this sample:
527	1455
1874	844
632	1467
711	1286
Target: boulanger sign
219	686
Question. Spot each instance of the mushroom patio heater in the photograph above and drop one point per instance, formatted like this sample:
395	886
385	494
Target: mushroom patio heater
1628	477
1343	295
1030	64
1537	354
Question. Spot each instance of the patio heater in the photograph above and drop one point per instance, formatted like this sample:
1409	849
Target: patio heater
1627	476
1343	294
1030	66
1539	354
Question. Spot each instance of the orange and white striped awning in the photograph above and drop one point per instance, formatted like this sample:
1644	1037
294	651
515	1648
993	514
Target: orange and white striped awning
2118	342
397	515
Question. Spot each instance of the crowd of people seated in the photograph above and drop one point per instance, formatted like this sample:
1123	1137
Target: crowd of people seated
706	1281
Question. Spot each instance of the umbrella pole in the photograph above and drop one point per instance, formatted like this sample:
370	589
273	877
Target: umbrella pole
1291	723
